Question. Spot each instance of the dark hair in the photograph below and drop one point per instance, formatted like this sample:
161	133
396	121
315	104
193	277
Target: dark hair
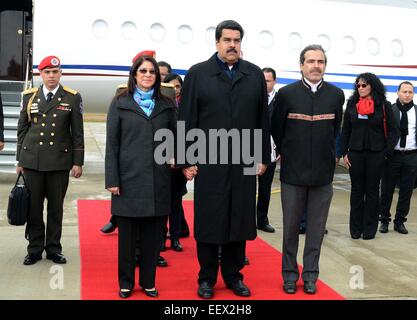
173	76
131	83
314	47
405	82
228	24
377	88
165	64
270	70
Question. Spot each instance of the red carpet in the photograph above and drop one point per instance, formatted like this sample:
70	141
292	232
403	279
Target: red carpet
179	280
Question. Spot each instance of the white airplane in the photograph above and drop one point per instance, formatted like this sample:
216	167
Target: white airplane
96	39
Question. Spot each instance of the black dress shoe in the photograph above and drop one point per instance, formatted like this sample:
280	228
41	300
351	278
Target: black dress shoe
205	290
246	261
31	259
302	230
162	262
383	228
290	287
176	245
109	227
151	293
365	237
400	227
267	228
310	287
57	258
239	288
125	294
355	236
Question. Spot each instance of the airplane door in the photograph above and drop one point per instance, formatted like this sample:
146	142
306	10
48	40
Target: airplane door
12	45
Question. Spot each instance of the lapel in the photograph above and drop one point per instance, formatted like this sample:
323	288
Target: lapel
396	112
128	103
241	72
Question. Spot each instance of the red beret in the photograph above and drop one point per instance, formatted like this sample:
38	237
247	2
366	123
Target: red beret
151	53
49	62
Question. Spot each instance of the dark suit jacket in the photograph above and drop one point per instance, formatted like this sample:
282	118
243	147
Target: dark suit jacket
368	134
50	135
397	118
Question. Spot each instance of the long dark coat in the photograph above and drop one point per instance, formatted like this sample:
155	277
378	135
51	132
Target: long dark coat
145	186
224	198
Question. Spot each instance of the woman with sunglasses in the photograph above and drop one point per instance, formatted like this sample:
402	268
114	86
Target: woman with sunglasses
369	135
140	187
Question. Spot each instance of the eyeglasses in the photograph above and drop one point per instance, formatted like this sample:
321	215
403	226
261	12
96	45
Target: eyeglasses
144	71
363	85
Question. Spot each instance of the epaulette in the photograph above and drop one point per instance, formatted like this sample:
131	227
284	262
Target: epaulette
122	86
31	90
72	91
167	85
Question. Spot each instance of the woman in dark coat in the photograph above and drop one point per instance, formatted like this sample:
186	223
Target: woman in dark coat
140	187
369	135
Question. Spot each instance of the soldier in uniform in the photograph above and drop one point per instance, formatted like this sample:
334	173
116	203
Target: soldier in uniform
50	144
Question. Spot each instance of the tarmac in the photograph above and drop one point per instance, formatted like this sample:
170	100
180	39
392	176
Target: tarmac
382	268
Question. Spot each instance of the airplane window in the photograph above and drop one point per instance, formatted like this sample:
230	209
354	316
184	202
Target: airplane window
210	35
295	41
185	34
129	30
397	48
349	45
157	32
324	41
266	39
373	46
100	29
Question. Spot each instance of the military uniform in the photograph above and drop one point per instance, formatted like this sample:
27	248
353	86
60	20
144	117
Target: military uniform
50	143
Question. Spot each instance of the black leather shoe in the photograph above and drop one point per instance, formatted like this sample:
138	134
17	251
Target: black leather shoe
302	230
383	228
239	288
400	227
151	293
290	287
205	290
176	245
310	287
162	262
125	294
109	227
355	236
267	228
31	259
246	261
57	258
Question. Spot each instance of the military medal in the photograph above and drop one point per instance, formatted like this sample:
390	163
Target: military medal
35	119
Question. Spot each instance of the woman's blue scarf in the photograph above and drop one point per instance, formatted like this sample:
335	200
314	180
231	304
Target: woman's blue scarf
145	100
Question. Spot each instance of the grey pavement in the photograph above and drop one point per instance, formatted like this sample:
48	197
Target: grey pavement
383	268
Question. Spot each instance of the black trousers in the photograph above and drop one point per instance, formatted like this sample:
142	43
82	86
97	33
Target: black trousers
51	185
147	233
264	195
176	216
400	168
233	260
365	174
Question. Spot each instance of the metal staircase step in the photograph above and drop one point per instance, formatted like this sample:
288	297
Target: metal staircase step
10	135
11	112
9	148
10	123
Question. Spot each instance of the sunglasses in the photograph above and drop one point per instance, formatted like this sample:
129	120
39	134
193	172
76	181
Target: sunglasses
363	85
144	71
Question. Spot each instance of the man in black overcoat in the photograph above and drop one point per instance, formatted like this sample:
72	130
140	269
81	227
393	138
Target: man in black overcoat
225	92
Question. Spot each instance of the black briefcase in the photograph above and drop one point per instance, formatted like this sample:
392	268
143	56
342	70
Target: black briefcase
19	203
